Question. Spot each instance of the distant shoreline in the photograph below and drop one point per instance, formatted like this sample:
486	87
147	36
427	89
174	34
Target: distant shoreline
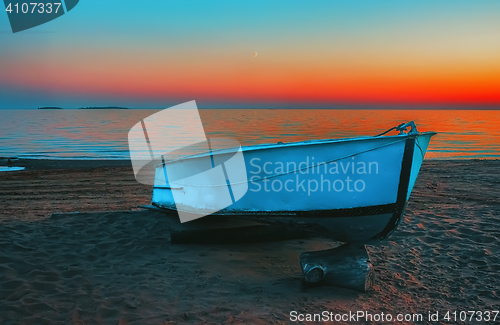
42	164
104	107
95	107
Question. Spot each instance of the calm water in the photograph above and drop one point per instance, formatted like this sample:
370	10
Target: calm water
91	134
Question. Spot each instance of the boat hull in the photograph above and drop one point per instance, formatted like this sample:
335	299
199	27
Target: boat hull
356	189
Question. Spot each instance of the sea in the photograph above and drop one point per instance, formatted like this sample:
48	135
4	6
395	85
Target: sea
103	133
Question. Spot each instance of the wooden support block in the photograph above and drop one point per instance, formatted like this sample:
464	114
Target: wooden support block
346	266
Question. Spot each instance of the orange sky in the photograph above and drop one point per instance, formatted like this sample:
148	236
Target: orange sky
386	54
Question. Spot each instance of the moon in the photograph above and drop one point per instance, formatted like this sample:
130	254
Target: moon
255	55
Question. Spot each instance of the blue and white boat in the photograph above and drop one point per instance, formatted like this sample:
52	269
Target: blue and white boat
356	189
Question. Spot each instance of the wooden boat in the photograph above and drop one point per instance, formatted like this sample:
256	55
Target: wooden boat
355	188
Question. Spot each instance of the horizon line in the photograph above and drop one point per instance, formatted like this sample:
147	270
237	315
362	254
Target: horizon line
333	107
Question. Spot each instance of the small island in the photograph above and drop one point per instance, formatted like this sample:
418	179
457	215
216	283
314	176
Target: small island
104	107
49	107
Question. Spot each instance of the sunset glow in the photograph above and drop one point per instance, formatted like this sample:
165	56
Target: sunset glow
344	53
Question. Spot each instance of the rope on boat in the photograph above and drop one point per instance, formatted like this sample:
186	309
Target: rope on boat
397	128
402	128
299	169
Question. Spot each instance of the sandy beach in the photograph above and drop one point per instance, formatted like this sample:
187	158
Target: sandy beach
100	266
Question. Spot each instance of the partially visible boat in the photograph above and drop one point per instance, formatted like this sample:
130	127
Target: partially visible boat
11	168
356	188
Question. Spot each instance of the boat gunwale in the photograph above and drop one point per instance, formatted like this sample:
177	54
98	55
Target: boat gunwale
265	146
